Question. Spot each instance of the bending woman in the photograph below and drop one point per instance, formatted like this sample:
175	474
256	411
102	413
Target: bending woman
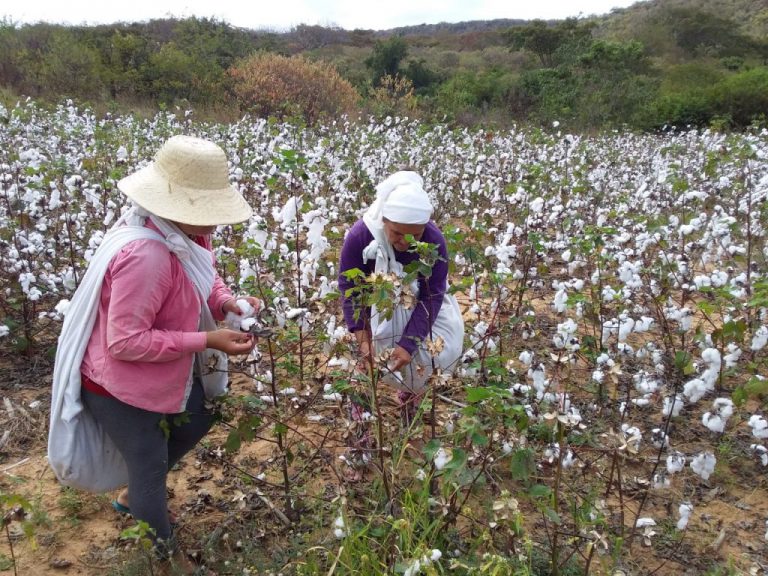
379	243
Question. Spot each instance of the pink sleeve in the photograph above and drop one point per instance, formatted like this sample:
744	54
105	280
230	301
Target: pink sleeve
141	281
219	293
219	296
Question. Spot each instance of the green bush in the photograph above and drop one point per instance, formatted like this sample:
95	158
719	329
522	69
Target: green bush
743	97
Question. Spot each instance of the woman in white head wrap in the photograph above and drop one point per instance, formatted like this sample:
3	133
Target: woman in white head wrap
379	243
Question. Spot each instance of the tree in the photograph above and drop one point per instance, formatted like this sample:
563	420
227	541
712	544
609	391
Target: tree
549	43
386	58
421	76
701	33
274	85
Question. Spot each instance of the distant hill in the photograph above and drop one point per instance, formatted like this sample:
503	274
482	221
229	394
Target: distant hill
751	16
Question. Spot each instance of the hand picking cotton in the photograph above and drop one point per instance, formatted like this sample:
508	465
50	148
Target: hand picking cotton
243	321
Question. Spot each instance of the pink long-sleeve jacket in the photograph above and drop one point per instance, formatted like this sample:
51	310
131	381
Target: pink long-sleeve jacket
146	331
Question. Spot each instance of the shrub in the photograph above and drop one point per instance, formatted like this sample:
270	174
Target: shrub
273	85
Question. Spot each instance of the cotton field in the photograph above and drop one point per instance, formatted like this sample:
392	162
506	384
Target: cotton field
615	298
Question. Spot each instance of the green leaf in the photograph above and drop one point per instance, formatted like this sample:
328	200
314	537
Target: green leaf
522	465
458	460
479	439
431	448
475	395
553	516
540	491
233	442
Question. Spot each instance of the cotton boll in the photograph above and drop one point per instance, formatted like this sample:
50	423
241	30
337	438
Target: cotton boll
659	438
661	480
732	358
552	453
644	383
759	426
633	436
684	510
62	307
673	405
703	464
760	452
675	462
237	321
723	407
442	457
526	357
560	303
694	390
625	328
294	313
713	421
644	522
760	339
644	324
339	528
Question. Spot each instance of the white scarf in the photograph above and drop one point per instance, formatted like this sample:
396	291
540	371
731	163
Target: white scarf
380	248
79	452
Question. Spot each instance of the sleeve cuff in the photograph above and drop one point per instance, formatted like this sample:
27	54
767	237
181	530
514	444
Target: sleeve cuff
408	344
193	341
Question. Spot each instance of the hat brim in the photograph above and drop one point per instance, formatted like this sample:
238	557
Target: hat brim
152	191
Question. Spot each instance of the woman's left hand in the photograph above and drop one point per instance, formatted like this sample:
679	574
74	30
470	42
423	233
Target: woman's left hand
231	304
400	357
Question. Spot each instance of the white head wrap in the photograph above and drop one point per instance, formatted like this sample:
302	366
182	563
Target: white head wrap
401	198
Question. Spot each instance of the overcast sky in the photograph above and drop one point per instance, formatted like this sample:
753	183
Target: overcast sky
281	15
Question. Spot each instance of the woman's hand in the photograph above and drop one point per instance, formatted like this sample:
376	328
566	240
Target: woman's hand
230	341
231	305
399	358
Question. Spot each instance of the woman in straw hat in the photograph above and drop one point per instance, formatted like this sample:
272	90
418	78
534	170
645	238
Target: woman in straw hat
380	242
140	350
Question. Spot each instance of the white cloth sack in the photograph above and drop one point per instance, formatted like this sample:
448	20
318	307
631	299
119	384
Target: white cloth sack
79	451
386	333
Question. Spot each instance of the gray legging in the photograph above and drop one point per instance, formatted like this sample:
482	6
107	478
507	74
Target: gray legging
148	453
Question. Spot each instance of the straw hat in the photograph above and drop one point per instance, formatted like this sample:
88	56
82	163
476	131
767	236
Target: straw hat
188	182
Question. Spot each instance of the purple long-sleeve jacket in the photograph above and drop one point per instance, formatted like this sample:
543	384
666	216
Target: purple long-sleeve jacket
431	290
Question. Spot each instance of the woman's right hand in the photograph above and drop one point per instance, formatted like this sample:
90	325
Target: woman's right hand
230	341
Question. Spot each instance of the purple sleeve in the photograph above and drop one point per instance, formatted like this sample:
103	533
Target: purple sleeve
356	240
431	292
